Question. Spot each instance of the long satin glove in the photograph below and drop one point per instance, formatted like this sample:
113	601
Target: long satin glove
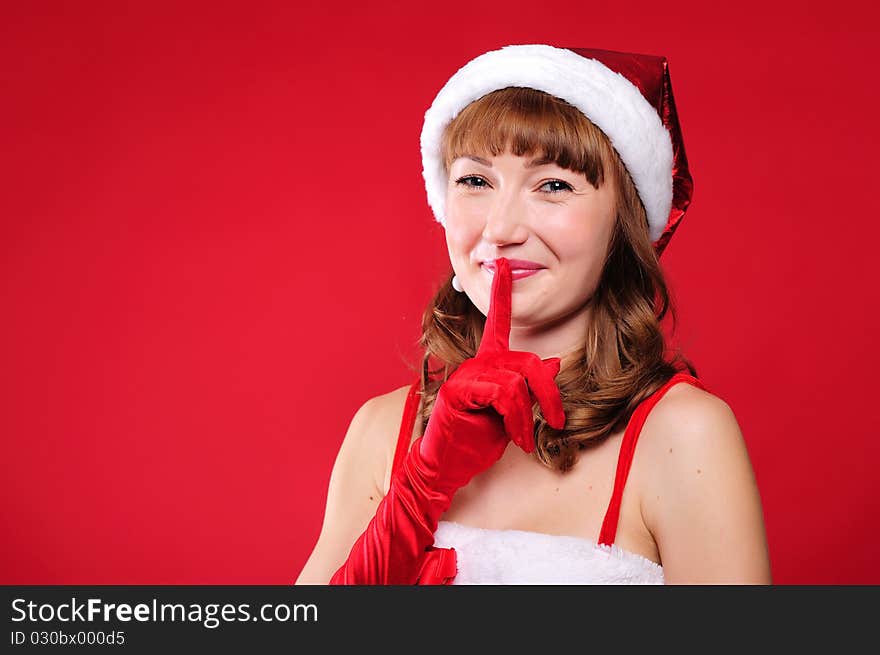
484	404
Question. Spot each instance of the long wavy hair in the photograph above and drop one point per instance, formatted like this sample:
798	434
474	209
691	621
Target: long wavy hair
624	358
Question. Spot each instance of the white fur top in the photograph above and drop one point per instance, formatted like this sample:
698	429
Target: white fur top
606	97
518	557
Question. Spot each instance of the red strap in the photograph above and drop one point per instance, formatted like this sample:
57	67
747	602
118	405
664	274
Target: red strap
410	410
628	447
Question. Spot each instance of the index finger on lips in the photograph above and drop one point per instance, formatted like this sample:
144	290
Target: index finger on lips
496	333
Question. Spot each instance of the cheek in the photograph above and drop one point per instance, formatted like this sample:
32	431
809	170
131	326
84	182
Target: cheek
461	236
581	244
575	235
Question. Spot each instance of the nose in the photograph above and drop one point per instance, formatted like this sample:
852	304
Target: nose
505	220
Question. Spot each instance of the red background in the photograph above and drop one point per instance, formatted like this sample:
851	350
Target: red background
216	245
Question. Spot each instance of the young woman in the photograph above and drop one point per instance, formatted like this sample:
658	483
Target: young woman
559	176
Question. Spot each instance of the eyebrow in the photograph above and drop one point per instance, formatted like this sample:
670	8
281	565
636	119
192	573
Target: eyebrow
532	163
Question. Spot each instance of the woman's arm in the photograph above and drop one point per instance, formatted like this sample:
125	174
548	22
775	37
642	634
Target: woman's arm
701	502
356	484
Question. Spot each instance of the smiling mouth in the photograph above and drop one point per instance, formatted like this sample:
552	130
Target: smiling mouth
515	273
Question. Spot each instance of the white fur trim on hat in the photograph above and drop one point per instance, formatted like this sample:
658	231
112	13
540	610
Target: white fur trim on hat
607	98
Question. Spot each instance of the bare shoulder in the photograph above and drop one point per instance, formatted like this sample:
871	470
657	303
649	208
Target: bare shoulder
686	412
379	419
384	411
390	404
698	493
689	425
389	410
379	423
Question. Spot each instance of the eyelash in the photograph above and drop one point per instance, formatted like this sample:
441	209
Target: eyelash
476	177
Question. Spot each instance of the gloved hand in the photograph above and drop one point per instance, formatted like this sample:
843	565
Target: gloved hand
484	404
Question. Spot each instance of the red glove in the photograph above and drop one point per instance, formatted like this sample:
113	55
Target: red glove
484	404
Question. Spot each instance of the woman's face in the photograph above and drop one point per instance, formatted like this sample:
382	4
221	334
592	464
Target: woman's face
546	216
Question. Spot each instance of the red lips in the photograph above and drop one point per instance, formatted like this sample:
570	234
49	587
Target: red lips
515	264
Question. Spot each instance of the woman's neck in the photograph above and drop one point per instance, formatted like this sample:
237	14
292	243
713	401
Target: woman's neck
553	340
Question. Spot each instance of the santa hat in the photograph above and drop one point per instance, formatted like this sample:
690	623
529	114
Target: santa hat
628	96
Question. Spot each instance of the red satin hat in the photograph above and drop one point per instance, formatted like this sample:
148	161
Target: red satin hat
626	95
